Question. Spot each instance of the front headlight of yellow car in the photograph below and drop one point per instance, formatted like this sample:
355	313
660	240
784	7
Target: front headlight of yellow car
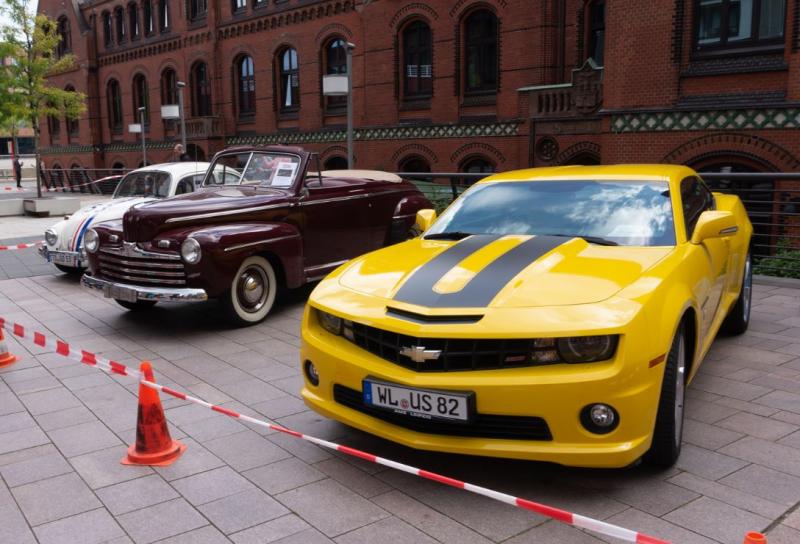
336	325
573	349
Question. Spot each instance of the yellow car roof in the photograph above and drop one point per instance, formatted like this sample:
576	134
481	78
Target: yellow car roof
620	172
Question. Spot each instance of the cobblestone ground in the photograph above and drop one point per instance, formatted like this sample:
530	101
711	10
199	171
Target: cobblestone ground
64	428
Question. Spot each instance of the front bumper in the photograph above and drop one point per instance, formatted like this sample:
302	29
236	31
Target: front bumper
73	259
132	293
554	393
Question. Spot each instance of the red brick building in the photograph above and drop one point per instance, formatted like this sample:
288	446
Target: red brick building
460	85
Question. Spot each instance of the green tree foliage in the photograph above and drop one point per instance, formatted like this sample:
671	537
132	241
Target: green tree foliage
785	263
31	42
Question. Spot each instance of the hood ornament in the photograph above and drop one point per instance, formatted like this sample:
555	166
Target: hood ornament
419	354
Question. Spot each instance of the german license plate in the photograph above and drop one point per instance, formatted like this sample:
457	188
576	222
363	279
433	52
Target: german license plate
118	292
421	403
62	258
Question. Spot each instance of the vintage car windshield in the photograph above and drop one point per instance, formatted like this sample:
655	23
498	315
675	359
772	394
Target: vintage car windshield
610	212
254	168
149	184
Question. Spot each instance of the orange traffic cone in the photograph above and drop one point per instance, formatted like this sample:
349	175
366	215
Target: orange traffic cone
754	538
6	358
154	446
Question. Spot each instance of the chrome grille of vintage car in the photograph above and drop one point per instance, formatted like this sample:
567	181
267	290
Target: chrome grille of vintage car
442	354
132	264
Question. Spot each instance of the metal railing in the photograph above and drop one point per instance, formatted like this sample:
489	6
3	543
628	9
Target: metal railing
82	180
772	201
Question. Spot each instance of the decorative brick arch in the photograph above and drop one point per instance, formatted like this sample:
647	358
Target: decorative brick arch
590	149
333	29
757	148
414	149
476	148
413	10
331	151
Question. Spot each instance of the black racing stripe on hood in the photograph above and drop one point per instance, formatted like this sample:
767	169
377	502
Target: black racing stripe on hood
420	285
482	289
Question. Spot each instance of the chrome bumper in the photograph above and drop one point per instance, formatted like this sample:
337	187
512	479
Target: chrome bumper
132	293
66	258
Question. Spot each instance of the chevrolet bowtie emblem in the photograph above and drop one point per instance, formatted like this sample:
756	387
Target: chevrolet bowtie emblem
419	354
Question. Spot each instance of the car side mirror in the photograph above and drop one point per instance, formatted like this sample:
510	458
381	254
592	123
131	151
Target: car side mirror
714	224
425	219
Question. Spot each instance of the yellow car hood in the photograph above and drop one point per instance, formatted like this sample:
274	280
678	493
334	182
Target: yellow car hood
497	271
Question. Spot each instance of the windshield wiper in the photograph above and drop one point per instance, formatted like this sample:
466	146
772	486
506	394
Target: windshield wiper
591	239
451	235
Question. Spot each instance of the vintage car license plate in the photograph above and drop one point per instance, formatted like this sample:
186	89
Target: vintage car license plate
417	402
120	293
61	258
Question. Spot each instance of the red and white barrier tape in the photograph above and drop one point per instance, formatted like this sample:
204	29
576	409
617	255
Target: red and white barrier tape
14	189
557	514
21	246
65	350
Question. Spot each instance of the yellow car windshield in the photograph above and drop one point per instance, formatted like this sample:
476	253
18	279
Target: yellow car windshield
605	212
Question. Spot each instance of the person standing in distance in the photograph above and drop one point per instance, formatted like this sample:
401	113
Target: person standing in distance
18	171
180	154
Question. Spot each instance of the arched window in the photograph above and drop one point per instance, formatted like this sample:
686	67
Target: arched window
133	21
73	125
147	12
108	29
198	9
414	163
246	87
289	80
140	97
114	101
596	30
417	61
163	15
118	168
119	25
335	163
54	126
65	42
237	6
335	59
169	94
201	90
475	165
480	52
169	87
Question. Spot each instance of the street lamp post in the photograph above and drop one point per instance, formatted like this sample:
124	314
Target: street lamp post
181	85
144	146
350	47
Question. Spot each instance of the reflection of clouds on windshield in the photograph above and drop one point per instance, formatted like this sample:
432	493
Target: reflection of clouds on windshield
630	213
633	212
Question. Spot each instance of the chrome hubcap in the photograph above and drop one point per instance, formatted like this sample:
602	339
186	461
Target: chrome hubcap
747	287
252	289
680	389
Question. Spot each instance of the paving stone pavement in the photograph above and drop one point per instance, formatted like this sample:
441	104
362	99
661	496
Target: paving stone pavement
64	427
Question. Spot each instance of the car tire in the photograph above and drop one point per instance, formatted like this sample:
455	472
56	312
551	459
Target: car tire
252	292
738	318
71	270
668	432
137	306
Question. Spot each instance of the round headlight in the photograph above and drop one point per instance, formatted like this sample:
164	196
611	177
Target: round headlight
599	418
91	240
51	237
190	251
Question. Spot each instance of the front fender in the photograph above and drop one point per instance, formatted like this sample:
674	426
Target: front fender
408	206
226	246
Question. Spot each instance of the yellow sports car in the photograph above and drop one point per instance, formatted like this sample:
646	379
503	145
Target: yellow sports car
551	314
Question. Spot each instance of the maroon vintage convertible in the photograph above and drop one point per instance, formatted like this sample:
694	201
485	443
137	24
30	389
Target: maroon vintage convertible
265	217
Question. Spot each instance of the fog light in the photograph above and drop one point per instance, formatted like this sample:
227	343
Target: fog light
599	418
311	372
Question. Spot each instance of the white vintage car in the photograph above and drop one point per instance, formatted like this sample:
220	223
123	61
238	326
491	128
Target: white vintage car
63	241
